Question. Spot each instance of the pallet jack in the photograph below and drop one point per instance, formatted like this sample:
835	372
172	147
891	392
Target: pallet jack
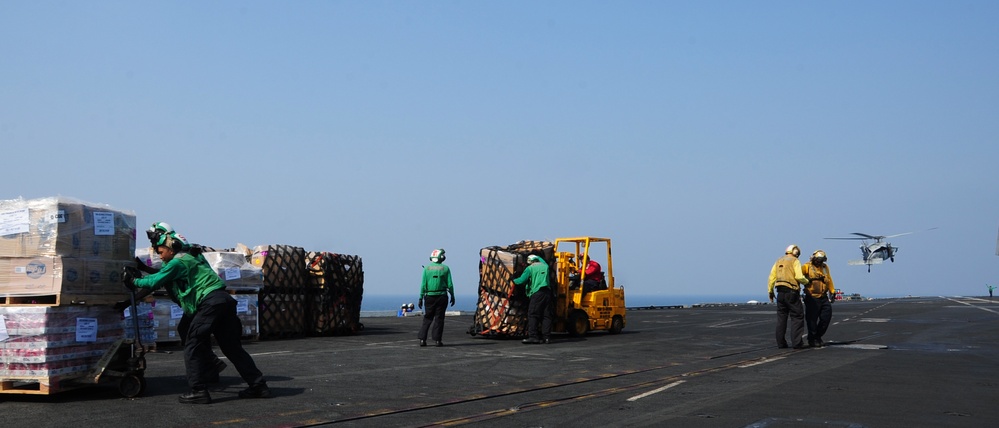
125	361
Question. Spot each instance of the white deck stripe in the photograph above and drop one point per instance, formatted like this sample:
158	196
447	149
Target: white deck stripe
655	391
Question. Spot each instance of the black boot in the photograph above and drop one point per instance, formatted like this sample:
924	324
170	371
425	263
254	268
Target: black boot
196	397
259	390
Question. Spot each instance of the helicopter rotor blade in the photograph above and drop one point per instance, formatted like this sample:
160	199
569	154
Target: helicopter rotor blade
910	233
866	236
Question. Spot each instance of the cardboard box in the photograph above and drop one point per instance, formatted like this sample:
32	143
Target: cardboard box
41	276
64	227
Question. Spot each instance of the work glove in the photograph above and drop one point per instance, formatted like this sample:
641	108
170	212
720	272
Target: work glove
142	267
772	297
128	276
452	301
122	305
420	303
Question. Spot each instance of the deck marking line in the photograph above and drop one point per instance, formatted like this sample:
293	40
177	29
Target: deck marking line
655	391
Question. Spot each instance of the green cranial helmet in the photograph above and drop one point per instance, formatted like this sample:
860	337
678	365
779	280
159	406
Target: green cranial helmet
156	232
173	240
533	259
437	256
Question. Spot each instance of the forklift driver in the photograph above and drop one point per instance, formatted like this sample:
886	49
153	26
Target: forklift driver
593	278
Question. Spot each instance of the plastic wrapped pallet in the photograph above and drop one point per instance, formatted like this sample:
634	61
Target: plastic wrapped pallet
166	315
63	251
238	273
502	307
47	344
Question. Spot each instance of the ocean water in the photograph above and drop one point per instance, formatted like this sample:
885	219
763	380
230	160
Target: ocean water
388	305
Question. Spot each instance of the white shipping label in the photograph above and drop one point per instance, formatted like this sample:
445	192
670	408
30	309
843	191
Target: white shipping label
103	223
242	306
86	329
176	312
14	222
231	273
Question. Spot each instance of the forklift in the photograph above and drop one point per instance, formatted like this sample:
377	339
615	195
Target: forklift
579	310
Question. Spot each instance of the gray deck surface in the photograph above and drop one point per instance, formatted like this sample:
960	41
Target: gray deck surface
926	362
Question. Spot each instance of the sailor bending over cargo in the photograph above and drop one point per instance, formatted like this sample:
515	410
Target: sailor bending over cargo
202	295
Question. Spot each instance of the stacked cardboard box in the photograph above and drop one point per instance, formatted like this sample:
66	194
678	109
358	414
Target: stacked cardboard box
60	268
62	251
165	315
502	307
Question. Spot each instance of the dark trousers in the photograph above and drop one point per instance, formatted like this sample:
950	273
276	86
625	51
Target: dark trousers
216	315
818	313
435	307
540	313
789	306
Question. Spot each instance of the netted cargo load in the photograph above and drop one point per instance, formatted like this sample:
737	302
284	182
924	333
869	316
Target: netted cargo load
501	310
282	300
282	267
336	287
281	315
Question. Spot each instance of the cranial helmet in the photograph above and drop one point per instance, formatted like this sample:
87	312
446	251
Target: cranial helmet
173	240
437	256
819	256
793	250
155	232
533	259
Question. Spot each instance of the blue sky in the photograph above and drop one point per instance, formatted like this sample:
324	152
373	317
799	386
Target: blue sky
702	137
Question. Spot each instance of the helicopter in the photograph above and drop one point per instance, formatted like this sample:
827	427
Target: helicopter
875	252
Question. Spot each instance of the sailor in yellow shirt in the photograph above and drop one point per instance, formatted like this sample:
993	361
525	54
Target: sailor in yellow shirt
819	294
785	285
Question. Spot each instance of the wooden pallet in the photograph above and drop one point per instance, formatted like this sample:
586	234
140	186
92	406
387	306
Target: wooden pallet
62	300
38	386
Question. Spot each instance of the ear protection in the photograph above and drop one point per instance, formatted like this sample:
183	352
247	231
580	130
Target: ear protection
174	244
172	241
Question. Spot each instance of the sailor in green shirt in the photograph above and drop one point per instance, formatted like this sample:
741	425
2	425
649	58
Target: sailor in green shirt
540	309
434	290
201	293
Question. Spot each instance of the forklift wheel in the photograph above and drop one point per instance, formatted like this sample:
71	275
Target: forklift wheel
132	385
578	323
617	324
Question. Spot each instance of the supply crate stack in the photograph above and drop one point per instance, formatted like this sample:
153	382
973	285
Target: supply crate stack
336	287
242	279
60	272
501	310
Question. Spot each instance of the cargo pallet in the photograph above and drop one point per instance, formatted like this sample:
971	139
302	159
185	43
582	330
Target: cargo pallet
61	300
38	385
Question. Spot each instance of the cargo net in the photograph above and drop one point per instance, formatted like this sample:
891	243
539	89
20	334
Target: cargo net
336	286
281	315
283	269
502	307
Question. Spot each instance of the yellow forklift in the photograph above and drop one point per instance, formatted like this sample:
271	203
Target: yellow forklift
583	304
